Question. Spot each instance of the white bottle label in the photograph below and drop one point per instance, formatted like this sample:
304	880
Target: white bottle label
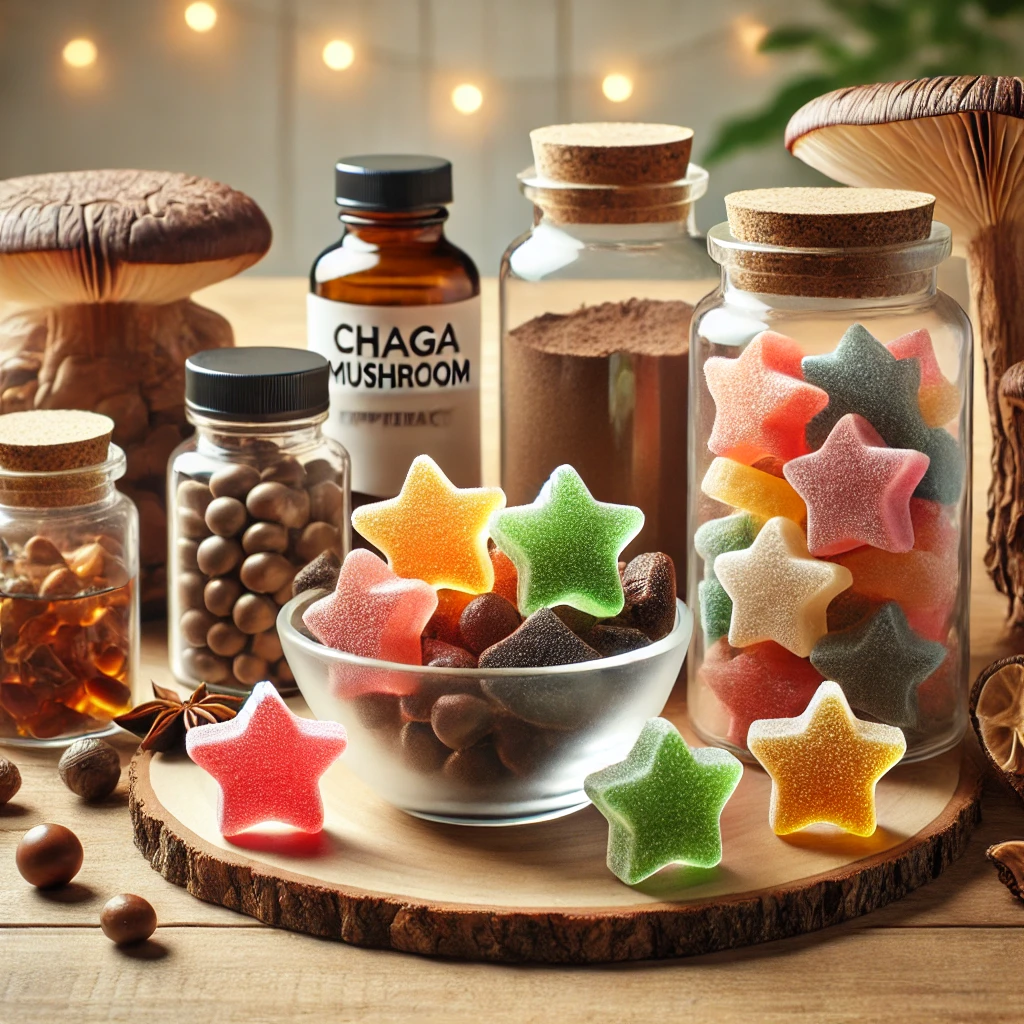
405	381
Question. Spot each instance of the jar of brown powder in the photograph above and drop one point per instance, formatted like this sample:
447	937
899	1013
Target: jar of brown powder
595	313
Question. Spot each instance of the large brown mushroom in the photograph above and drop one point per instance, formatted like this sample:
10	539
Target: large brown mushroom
98	267
959	138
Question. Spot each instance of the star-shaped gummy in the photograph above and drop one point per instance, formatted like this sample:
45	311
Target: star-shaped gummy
664	803
372	612
778	591
267	762
857	490
824	764
566	547
938	399
761	681
880	663
434	531
762	403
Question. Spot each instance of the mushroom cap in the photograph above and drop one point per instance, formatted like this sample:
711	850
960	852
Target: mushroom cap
122	236
956	137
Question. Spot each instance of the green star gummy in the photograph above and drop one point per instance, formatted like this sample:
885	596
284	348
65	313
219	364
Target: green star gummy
566	546
663	803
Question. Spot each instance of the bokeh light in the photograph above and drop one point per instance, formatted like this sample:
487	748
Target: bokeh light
617	88
80	53
339	55
200	17
467	98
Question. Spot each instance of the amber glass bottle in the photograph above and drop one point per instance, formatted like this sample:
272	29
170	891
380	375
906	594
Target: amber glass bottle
395	308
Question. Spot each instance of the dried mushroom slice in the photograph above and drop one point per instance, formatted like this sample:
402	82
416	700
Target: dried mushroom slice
1009	861
997	711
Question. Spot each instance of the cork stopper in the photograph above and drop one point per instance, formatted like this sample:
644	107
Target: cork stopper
830	218
612	153
58	445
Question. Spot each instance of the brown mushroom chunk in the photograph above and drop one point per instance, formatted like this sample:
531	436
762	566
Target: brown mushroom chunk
101	264
960	139
1009	861
997	711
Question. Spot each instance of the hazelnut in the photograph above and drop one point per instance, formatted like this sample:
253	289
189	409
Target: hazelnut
195	624
49	855
202	664
225	639
254	613
234	482
315	539
90	768
220	595
226	516
218	555
326	502
194	495
10	780
279	504
248	669
267	645
288	471
127	918
265	537
266	572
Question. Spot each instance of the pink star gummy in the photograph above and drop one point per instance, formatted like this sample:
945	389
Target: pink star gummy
762	402
373	613
857	490
267	762
937	398
760	681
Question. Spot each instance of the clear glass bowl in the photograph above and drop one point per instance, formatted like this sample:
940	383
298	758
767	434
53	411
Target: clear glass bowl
548	727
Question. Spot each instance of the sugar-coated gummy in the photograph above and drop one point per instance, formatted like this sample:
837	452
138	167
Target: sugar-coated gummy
729	533
565	546
778	591
321	573
439	654
938	399
267	762
715	609
880	663
506	579
824	764
434	531
753	490
542	639
610	641
649	588
664	803
372	612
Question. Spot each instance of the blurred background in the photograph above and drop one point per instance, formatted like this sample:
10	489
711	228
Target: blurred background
267	94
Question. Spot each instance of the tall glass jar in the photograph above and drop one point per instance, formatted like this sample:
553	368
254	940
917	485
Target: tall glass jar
830	452
69	598
596	301
259	492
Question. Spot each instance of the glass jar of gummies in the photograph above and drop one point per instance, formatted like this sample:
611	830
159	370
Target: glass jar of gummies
596	300
830	456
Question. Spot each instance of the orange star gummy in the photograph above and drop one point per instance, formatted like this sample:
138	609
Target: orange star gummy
824	764
433	530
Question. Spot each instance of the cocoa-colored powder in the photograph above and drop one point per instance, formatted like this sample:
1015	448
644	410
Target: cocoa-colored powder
605	389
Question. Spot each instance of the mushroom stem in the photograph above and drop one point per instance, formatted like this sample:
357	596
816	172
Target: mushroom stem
996	258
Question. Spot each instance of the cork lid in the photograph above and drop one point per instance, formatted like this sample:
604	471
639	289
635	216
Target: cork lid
53	440
829	218
612	153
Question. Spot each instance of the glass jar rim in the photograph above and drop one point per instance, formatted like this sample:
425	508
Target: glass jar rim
683	190
253	422
113	467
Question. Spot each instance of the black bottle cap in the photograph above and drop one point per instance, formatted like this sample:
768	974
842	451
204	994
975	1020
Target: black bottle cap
392	182
270	384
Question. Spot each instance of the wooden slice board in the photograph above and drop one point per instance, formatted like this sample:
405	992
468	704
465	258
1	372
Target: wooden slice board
541	892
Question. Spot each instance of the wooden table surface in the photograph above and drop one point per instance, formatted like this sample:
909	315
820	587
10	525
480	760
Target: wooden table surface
948	952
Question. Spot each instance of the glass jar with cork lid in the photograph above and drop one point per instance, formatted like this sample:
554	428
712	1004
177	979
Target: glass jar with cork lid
596	301
69	601
830	449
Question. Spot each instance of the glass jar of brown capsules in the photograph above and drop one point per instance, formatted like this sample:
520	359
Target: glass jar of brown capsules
259	492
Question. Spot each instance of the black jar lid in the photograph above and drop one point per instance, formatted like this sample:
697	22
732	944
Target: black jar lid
392	182
256	383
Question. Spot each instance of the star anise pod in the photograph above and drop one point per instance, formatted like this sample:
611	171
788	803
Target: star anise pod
163	722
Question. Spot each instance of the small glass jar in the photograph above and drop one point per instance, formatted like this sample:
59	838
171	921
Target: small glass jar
596	300
777	444
69	600
259	492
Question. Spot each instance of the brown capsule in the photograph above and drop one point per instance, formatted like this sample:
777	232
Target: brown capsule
265	537
10	780
267	645
266	572
279	504
248	669
327	502
90	768
194	625
226	639
194	495
217	556
190	589
127	918
286	471
317	538
49	855
42	551
192	524
254	613
226	516
234	482
460	720
60	582
187	554
201	664
220	595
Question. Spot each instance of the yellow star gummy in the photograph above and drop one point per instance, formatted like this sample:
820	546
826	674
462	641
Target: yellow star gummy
778	591
752	490
824	764
434	531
